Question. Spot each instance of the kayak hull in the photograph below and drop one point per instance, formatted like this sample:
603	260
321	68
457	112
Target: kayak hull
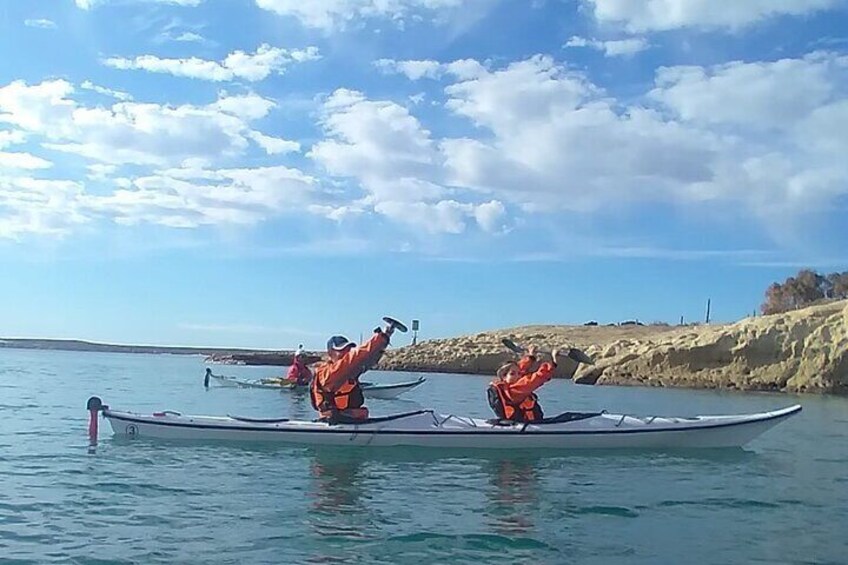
370	390
429	430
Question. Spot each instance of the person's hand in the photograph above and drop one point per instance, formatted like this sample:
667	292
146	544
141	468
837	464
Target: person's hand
554	355
532	350
390	329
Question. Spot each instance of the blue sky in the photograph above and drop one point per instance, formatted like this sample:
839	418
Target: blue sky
266	172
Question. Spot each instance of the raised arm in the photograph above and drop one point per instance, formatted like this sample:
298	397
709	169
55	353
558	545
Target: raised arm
523	387
355	358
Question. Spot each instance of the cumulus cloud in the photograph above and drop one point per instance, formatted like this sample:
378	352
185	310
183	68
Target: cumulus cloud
251	67
759	94
22	161
40	207
612	48
395	160
334	14
131	132
652	15
188	197
379	142
549	139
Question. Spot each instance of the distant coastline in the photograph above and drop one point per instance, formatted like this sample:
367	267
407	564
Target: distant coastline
80	345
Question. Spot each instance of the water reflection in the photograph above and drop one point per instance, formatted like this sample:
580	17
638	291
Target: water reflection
513	494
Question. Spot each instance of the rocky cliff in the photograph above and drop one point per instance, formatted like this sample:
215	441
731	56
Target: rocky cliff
801	351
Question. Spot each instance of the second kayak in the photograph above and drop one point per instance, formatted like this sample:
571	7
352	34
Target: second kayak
370	390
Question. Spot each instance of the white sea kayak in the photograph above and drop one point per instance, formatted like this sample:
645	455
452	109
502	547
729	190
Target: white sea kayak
370	390
425	428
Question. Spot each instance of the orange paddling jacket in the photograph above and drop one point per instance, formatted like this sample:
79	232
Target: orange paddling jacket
516	401
335	387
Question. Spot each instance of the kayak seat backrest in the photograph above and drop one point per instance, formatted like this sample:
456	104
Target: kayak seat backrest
500	422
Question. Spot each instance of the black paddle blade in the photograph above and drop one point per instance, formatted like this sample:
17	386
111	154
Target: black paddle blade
512	346
399	326
580	356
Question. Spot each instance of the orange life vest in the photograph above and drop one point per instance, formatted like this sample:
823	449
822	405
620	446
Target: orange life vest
528	410
349	395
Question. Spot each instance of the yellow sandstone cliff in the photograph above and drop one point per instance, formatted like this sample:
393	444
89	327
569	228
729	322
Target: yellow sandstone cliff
801	351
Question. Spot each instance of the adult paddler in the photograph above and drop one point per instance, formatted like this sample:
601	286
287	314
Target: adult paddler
336	393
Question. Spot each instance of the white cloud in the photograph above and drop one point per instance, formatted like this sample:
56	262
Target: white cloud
89	4
550	140
465	69
334	14
418	69
379	142
414	70
192	197
117	94
40	207
237	65
246	106
189	37
612	48
393	158
446	216
41	23
490	215
649	15
22	161
11	137
760	94
100	171
130	132
178	31
275	145
561	142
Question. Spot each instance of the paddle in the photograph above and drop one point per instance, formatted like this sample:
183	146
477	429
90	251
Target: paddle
399	326
573	353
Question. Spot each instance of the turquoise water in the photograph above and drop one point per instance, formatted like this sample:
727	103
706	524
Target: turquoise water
782	500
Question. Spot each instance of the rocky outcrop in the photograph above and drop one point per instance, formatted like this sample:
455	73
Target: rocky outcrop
801	351
483	353
276	358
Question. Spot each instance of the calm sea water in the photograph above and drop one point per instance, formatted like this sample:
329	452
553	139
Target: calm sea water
782	500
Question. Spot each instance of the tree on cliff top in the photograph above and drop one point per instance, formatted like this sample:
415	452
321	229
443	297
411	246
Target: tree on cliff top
804	289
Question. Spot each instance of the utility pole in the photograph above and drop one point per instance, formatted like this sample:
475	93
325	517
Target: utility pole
707	320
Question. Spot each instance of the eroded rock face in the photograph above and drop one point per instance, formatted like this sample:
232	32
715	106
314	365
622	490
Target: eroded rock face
801	351
483	353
